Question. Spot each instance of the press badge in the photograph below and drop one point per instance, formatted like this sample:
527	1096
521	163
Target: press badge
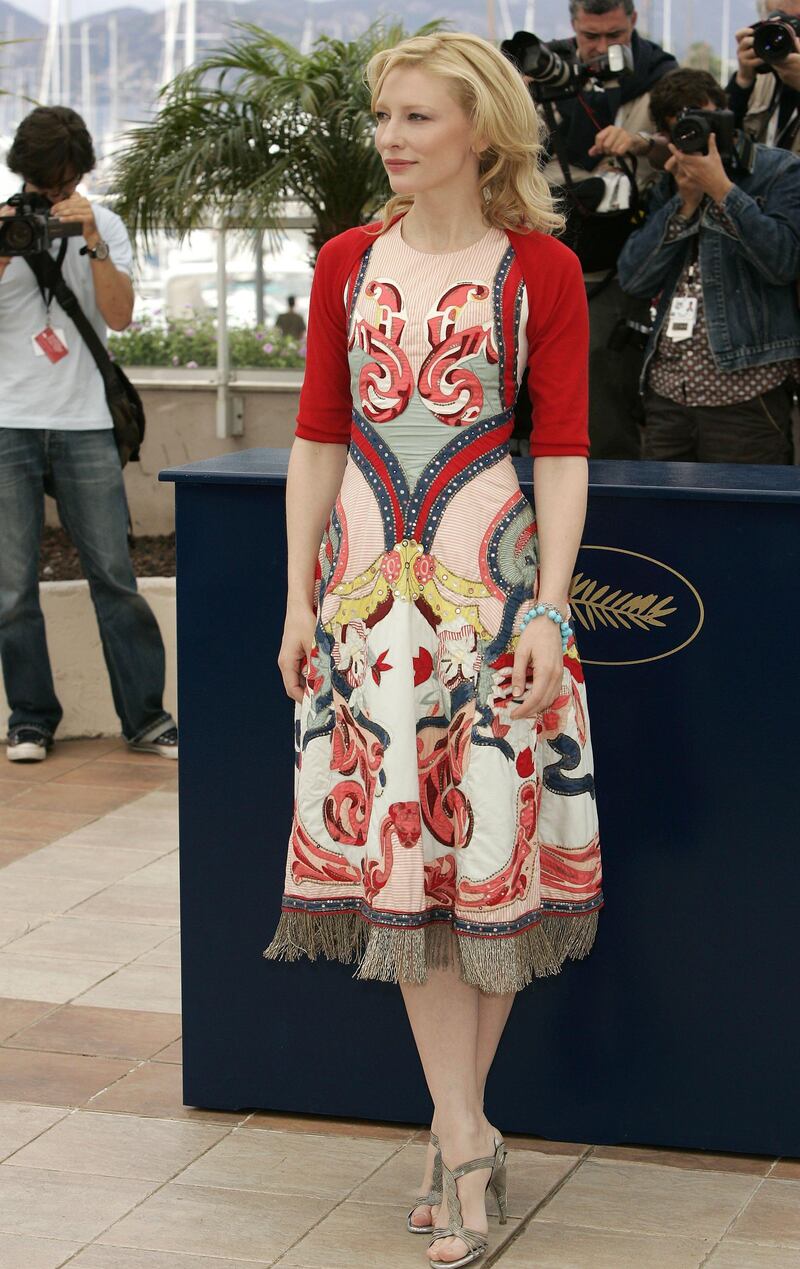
50	343
682	318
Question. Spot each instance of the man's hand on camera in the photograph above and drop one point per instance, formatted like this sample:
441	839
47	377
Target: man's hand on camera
699	174
618	141
748	61
789	69
78	210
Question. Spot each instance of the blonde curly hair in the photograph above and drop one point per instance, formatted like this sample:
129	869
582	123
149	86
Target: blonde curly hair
493	95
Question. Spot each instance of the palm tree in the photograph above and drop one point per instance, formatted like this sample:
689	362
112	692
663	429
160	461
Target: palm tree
253	124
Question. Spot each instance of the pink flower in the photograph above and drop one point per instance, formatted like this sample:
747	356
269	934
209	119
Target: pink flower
176	361
191	365
424	568
391	566
268	348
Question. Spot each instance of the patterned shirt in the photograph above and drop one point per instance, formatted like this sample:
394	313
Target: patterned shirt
685	371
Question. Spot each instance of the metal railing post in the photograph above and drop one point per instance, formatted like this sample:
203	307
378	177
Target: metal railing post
230	410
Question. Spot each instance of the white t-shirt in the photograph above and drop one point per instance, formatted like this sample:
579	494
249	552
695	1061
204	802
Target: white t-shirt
67	394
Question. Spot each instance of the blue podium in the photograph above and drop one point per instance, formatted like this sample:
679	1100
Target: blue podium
681	1028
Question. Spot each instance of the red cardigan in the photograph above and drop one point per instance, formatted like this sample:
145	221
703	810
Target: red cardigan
557	330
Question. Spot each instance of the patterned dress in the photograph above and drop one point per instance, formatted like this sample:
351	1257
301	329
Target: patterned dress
429	827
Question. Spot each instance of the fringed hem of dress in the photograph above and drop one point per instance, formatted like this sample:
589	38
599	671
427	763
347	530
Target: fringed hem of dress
496	964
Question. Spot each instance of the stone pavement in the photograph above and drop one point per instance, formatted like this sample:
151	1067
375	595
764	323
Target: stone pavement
103	1167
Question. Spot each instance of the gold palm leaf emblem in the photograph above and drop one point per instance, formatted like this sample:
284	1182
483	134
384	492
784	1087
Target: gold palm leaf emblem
647	612
593	604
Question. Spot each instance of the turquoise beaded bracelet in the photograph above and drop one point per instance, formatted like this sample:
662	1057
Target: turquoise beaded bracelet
549	610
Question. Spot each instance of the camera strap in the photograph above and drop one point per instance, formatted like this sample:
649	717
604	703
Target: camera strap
124	402
782	123
40	280
47	272
785	136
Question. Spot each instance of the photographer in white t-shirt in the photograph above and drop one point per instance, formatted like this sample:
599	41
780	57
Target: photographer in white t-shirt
56	433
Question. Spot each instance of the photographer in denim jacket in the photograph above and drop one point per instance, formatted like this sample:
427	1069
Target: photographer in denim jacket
719	256
56	434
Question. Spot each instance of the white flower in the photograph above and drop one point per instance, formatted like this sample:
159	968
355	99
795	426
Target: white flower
350	653
459	659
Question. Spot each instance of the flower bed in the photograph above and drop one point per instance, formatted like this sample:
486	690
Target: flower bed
191	342
151	555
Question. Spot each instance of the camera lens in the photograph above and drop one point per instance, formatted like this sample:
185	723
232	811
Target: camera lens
690	136
773	42
18	236
545	66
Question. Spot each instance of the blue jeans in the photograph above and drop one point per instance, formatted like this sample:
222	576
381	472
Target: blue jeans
83	472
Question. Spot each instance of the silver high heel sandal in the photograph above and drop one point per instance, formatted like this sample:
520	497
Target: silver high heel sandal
434	1194
476	1242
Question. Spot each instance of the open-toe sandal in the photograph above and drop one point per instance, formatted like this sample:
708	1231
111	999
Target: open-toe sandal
476	1242
434	1195
498	1181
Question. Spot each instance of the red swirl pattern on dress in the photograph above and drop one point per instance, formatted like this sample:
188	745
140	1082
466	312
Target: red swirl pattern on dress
400	826
386	383
446	811
347	809
571	874
311	862
451	390
440	882
512	882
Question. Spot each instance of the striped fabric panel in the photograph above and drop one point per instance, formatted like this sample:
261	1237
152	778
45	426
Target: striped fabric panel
425	277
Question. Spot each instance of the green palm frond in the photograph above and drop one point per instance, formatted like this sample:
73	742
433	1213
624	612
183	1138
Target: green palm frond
253	124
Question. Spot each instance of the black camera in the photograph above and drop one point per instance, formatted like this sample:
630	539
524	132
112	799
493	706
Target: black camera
555	77
773	40
693	129
32	228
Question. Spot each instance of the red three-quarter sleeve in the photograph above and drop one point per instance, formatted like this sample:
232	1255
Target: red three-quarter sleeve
325	402
558	346
557	331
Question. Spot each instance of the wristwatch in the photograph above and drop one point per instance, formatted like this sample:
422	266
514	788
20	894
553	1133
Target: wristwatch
101	252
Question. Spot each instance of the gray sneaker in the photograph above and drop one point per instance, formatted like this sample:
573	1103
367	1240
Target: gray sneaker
165	745
26	744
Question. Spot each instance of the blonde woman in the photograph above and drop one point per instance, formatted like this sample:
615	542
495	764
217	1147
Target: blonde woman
445	833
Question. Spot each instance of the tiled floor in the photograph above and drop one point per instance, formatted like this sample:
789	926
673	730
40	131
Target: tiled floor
103	1167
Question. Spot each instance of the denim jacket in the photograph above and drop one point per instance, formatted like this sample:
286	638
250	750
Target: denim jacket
749	263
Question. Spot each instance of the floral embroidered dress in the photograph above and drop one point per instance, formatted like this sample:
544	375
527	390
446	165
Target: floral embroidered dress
429	827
